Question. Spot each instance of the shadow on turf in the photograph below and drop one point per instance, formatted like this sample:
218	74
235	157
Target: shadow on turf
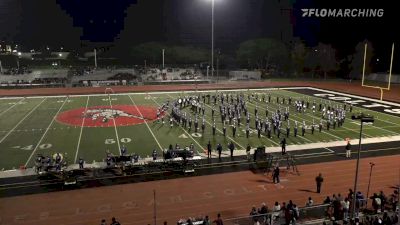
307	190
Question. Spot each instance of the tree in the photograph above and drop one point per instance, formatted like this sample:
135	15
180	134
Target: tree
357	59
298	56
263	54
321	60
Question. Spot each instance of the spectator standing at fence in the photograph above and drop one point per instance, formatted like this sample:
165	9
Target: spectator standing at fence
346	208
218	221
319	179
206	221
114	222
103	222
309	202
276	210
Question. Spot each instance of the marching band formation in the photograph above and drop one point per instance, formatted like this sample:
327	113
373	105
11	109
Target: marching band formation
234	113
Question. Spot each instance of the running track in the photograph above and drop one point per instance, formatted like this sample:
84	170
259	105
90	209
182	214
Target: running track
231	194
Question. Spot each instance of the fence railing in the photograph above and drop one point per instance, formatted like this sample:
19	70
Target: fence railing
305	214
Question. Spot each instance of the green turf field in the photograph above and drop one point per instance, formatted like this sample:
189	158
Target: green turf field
29	126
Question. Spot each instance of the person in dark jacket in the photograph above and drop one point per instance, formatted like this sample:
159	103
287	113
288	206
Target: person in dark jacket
319	179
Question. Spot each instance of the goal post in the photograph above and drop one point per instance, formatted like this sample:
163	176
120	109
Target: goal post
382	89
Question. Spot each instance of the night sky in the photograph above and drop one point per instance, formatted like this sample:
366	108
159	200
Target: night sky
75	23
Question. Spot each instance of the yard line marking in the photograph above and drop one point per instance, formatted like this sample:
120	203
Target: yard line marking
148	127
26	116
10	107
115	127
201	147
217	128
80	134
47	129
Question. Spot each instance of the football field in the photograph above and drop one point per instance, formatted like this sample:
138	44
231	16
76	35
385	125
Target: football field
79	126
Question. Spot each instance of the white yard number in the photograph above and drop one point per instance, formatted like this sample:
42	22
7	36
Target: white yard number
112	99
126	140
196	135
27	148
30	147
45	146
111	141
61	101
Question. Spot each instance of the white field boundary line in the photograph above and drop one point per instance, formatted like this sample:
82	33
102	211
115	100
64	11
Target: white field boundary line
364	109
80	133
146	93
44	134
201	147
331	154
115	127
147	125
11	107
22	120
217	128
326	145
318	118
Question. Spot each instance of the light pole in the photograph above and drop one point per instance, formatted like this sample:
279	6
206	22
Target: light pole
369	181
1	68
95	58
212	38
163	54
364	119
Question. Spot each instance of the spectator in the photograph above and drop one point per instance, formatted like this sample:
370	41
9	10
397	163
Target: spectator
296	214
206	221
114	222
276	210
346	208
263	211
218	221
309	202
327	200
376	203
254	213
319	179
103	222
383	200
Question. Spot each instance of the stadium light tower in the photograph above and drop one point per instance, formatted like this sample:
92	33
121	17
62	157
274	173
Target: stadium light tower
364	119
212	37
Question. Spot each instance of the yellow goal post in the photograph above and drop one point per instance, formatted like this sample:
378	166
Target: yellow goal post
390	72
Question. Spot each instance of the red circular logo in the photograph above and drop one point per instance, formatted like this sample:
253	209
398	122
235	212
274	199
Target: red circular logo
103	116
